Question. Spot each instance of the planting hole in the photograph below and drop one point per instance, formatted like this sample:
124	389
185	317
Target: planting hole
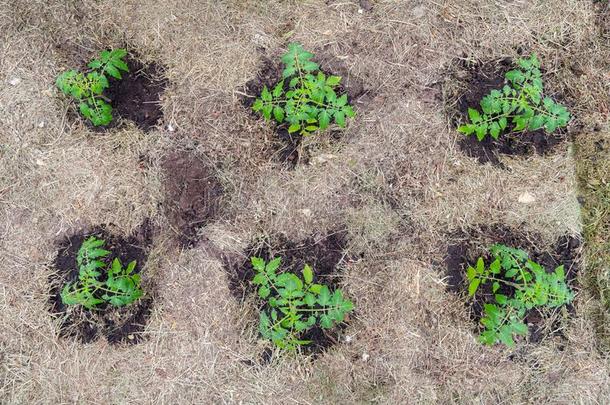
117	324
326	256
467	247
288	148
467	85
192	195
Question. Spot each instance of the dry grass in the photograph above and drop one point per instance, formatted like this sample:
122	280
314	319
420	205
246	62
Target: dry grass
397	181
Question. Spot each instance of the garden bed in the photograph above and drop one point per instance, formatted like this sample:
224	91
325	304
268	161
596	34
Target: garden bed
288	148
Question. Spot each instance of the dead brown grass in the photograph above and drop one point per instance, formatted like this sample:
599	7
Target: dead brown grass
396	180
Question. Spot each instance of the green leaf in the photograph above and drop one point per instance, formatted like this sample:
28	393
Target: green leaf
470	273
467	129
494	130
310	300
113	71
264	291
278	113
307	274
258	105
473	286
341	101
474	115
294	128
324	296
315	288
310	66
324	119
340	118
264	325
326	322
258	263
501	299
511	273
481	132
273	265
506	336
536	122
333	80
267	109
279	88
266	95
520	328
259	279
503	123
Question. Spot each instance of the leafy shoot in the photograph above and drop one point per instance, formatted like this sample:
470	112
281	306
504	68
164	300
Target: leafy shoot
305	98
88	88
532	286
119	287
294	304
518	107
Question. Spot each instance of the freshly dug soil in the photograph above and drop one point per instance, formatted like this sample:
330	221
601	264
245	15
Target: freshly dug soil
469	246
116	324
476	81
137	96
192	195
324	254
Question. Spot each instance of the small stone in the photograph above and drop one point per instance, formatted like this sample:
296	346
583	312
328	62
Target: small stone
40	162
419	11
365	356
41	124
306	212
323	158
360	11
526	198
14	81
170	128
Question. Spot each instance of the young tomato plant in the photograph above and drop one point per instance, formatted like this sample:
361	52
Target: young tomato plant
518	106
294	305
532	286
88	88
119	286
309	102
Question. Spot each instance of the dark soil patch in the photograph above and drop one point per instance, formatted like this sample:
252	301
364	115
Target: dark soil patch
137	95
469	246
117	325
192	195
288	149
324	254
476	81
